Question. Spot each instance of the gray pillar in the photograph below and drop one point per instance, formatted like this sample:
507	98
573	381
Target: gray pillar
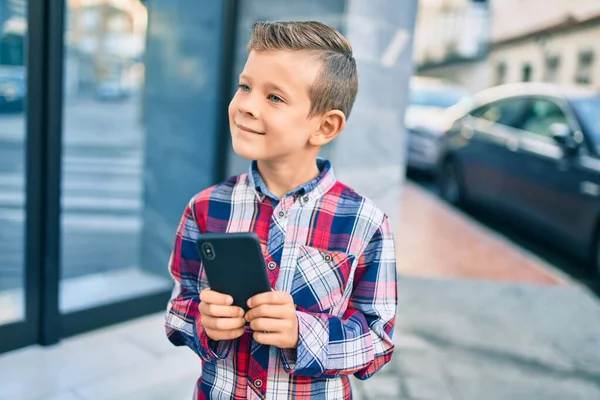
369	155
181	116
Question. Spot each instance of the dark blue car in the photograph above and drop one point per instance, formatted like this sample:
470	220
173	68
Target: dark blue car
532	153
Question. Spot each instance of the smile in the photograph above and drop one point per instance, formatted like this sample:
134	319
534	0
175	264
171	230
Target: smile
245	129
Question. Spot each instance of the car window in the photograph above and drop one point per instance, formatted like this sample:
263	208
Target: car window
588	110
508	112
541	115
489	112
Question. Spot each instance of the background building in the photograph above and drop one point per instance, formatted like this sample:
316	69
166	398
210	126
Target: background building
546	41
479	44
451	41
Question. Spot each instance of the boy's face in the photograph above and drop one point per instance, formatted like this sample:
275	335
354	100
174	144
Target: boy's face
268	115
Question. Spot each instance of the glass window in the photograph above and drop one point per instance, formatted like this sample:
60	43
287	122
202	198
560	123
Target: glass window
527	73
507	112
13	94
103	159
489	112
541	115
500	73
585	68
588	110
552	69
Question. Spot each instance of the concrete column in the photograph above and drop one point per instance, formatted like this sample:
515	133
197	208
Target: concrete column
369	155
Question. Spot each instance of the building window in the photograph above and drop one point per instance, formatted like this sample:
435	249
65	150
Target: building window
500	73
585	68
552	69
527	73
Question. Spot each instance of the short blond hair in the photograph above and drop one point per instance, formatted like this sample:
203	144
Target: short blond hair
336	85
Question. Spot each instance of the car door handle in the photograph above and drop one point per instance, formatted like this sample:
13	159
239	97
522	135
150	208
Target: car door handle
512	144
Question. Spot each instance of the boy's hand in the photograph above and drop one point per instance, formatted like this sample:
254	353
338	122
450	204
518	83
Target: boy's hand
273	318
221	320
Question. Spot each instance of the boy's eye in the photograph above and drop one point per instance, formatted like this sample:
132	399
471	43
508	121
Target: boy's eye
244	87
274	98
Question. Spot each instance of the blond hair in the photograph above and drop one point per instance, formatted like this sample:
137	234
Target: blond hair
336	85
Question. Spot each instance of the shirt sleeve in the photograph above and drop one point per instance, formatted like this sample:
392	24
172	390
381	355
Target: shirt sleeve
182	319
360	342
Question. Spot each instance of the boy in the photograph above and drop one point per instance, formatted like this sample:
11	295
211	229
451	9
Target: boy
329	251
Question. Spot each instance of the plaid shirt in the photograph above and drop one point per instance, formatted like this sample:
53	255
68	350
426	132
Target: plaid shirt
326	245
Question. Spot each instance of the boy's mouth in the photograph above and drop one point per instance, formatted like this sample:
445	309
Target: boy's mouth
246	129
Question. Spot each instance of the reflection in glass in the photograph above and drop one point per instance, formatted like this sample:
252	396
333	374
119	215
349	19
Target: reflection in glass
13	92
103	156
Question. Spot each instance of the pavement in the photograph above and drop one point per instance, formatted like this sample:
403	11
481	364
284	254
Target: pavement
479	318
475	340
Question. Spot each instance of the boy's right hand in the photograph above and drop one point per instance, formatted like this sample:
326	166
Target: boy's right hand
221	320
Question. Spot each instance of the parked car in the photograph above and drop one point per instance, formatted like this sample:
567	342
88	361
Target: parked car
13	90
531	152
425	122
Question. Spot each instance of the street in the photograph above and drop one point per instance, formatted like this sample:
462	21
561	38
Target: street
101	193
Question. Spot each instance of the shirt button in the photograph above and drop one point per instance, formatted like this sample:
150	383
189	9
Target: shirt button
327	257
271	265
305	199
281	214
258	383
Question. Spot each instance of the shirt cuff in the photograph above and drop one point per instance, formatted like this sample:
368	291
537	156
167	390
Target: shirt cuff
289	357
310	356
208	349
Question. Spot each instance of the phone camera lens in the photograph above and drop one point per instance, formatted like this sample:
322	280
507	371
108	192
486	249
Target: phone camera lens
208	251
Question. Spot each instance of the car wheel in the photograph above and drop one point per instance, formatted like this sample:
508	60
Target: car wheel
450	184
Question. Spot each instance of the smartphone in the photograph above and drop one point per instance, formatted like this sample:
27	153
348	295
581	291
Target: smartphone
234	265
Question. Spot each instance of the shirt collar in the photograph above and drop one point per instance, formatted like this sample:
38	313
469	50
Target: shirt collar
319	185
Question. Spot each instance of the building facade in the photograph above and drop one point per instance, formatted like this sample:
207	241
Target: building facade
546	41
451	41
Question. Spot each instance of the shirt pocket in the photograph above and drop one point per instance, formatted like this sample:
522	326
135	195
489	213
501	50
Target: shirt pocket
320	279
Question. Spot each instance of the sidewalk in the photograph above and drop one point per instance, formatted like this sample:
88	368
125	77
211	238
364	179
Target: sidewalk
476	340
478	320
489	320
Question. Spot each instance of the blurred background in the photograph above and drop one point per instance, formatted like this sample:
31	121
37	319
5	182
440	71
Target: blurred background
480	120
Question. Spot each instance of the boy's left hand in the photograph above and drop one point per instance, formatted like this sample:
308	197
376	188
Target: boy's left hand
273	319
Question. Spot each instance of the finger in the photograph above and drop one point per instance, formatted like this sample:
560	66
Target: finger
210	296
224	335
278	297
269	311
270	325
222	324
215	310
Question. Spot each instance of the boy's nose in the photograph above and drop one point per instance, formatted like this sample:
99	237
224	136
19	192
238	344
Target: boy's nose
248	108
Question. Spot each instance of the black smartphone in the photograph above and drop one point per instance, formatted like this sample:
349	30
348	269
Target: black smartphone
234	265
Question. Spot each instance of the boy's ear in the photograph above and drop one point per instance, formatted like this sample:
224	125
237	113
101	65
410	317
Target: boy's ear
332	124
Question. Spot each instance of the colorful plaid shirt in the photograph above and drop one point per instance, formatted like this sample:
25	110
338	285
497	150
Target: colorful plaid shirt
332	249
